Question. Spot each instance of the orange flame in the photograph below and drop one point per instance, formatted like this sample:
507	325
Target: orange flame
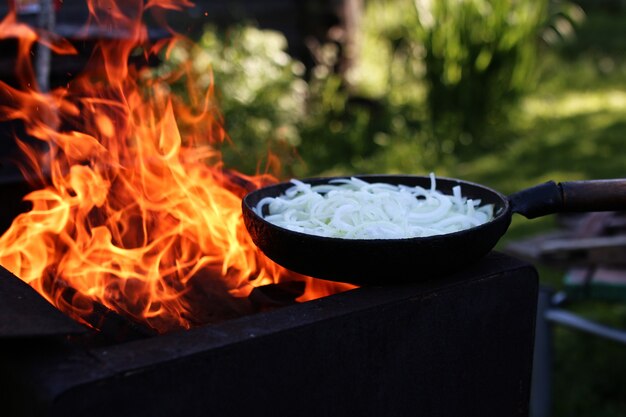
134	215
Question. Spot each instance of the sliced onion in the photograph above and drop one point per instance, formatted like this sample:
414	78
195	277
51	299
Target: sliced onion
352	208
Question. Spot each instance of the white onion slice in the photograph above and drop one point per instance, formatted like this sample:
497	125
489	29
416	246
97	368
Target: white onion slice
352	208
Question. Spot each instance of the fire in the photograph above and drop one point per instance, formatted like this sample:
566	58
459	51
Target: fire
133	211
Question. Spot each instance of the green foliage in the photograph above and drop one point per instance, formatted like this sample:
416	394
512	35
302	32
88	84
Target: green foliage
389	74
308	124
428	87
336	128
312	125
453	72
480	57
258	87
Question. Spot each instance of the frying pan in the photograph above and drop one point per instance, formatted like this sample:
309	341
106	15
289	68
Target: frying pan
374	261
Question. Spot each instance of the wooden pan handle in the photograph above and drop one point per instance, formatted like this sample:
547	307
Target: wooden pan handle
594	195
570	196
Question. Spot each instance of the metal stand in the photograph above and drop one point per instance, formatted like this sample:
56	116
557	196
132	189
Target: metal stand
550	312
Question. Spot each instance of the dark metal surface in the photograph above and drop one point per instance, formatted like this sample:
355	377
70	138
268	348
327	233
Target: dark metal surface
367	260
456	346
26	314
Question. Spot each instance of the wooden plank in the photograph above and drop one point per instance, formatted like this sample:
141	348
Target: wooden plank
607	250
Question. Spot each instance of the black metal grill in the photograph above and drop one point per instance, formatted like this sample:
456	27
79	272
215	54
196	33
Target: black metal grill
459	346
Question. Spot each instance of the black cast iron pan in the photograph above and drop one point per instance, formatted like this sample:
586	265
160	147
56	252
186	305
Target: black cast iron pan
363	261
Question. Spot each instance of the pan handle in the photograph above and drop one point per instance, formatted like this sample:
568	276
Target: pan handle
570	196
